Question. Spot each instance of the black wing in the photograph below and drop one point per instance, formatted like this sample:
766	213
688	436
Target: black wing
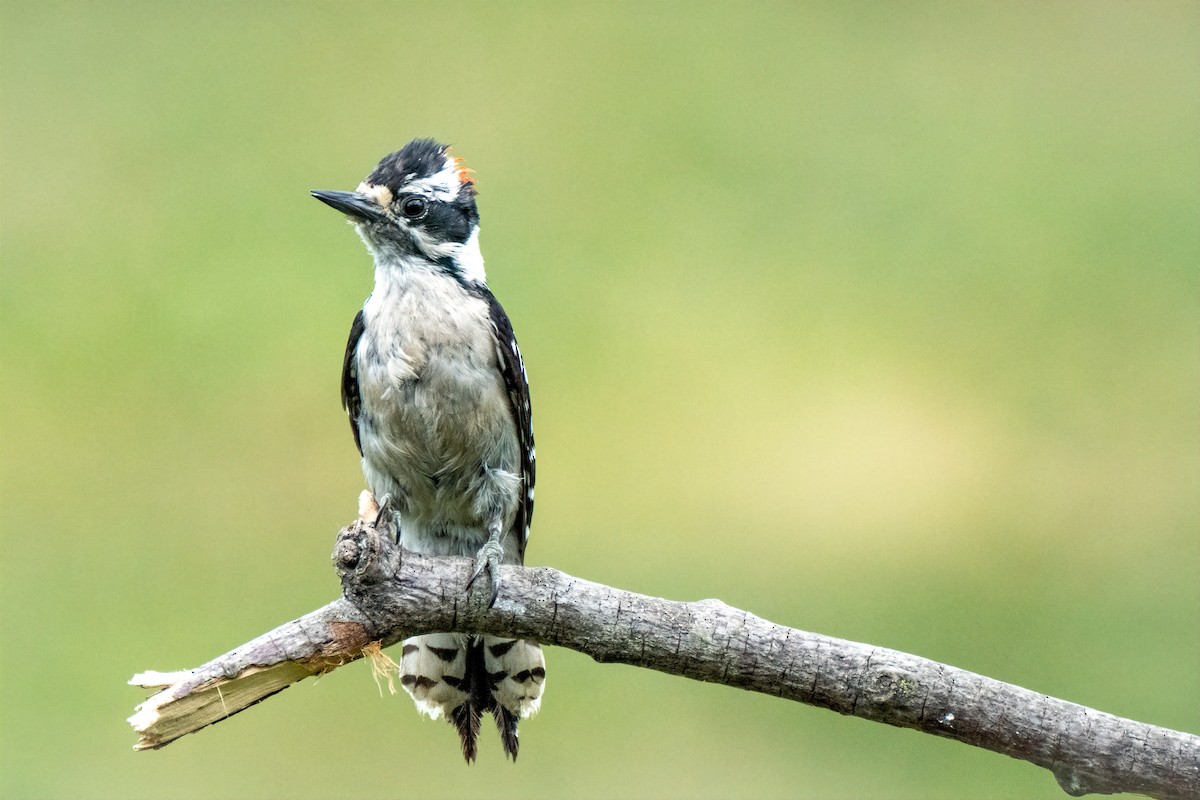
512	367
351	400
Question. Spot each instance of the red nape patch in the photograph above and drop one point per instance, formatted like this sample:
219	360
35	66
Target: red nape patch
464	172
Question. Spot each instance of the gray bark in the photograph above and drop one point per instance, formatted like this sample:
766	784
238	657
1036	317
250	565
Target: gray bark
391	594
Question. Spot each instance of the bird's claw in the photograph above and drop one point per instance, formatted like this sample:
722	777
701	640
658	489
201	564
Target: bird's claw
387	516
488	558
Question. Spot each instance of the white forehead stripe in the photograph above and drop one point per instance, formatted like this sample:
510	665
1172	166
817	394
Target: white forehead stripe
444	184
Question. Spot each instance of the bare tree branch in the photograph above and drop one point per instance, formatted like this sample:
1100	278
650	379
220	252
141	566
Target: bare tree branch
391	594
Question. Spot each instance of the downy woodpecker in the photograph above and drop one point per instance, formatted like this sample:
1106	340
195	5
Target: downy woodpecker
435	387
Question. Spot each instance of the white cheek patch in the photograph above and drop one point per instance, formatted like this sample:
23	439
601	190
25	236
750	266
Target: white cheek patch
466	255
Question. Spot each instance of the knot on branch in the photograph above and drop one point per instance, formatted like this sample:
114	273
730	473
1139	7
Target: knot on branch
365	556
889	692
890	686
1071	781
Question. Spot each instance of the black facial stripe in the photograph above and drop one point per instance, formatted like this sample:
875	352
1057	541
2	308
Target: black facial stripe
448	222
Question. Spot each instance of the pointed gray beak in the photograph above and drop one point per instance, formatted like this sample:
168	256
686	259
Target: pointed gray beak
354	205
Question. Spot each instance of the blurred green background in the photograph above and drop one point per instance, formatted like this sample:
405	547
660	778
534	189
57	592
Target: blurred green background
878	320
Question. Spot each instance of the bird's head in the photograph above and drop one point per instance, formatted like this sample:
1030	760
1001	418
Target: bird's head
417	209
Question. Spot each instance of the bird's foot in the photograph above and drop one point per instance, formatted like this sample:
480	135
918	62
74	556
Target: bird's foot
386	518
488	558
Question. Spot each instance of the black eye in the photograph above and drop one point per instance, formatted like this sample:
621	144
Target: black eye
413	207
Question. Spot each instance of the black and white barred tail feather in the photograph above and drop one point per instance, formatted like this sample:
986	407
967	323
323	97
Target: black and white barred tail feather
462	677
